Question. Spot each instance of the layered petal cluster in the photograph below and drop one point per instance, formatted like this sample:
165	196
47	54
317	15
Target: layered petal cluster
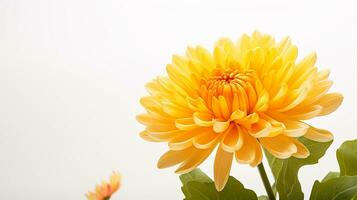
241	97
106	189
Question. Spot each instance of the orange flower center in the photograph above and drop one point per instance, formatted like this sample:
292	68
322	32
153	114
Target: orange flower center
230	90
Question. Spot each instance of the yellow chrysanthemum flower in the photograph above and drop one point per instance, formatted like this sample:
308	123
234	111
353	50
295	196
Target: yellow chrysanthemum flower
106	190
244	95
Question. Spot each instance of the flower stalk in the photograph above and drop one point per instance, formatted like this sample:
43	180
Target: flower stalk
264	177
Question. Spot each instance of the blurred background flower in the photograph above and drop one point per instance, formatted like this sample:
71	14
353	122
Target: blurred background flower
106	189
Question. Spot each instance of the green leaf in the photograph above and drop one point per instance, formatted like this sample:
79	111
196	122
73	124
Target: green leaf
234	190
347	158
285	171
200	191
340	188
331	175
263	197
195	175
341	185
198	186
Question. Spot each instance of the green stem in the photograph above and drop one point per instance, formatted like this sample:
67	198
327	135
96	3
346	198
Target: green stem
265	180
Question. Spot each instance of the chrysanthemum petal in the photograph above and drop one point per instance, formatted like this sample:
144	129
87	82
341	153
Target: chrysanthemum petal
232	139
252	96
277	127
222	168
258	154
176	111
185	124
223	51
318	90
279	97
152	106
148	119
220	126
247	121
304	113
163	135
238	114
302	151
303	68
147	137
241	98
260	129
197	105
207	140
184	140
194	160
224	107
157	127
172	158
262	103
203	119
246	154
318	135
291	54
180	79
280	146
295	128
216	108
294	98
330	102
283	45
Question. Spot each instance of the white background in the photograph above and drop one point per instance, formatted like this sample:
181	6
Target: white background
72	72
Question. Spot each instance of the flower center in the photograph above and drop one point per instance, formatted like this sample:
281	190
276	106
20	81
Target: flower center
232	96
236	89
228	83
